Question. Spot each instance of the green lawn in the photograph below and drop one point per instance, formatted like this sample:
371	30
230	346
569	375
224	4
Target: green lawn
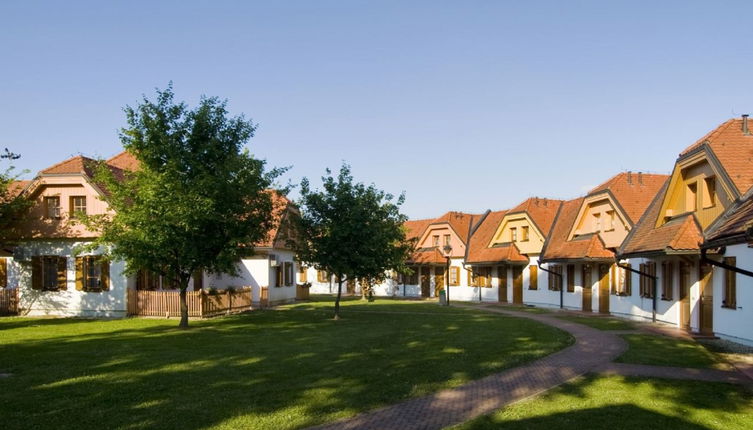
629	403
264	370
600	323
667	351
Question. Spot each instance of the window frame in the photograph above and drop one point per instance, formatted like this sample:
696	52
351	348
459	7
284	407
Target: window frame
56	210
730	285
74	212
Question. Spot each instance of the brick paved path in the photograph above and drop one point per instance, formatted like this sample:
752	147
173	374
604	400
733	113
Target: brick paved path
592	349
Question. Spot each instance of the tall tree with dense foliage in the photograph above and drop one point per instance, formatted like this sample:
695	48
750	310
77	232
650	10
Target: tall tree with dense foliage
197	201
13	204
350	230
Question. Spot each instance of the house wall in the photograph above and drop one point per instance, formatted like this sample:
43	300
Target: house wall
541	296
71	302
735	324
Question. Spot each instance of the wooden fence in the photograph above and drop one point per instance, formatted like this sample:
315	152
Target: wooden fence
8	301
200	303
302	291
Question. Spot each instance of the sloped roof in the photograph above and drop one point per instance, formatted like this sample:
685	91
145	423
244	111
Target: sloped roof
589	246
16	187
459	221
427	256
281	208
680	234
736	221
415	228
500	253
74	165
124	161
733	149
633	191
479	250
541	211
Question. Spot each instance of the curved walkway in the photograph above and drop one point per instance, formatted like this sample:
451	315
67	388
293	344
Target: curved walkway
592	349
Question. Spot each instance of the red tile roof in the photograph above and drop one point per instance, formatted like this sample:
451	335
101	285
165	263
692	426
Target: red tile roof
541	211
737	221
478	249
459	221
282	208
78	164
16	187
427	256
557	246
733	149
633	191
416	228
124	161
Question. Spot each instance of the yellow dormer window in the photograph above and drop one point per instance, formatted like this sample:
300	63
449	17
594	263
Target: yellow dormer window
524	233
709	192
513	234
691	197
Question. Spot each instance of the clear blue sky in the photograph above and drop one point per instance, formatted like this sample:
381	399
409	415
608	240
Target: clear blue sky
463	105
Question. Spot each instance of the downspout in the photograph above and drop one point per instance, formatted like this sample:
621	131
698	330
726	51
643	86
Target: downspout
562	295
653	279
705	259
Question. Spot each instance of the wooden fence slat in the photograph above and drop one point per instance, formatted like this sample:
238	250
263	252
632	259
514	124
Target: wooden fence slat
200	304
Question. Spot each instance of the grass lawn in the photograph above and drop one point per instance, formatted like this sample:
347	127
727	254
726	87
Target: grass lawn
264	370
617	402
667	351
601	323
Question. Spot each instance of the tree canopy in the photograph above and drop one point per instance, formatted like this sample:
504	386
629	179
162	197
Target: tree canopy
197	201
13	204
350	230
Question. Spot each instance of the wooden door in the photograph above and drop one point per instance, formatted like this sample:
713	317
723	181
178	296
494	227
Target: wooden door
706	302
438	279
586	278
603	288
685	295
502	290
517	285
425	281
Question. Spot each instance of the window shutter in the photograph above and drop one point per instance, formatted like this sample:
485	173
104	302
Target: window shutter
36	273
104	276
79	273
470	277
198	280
628	288
534	278
613	279
278	276
3	272
502	274
62	273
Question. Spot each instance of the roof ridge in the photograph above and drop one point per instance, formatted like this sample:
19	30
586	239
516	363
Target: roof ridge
66	161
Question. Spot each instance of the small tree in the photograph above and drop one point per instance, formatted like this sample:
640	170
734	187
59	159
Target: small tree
13	204
351	230
197	201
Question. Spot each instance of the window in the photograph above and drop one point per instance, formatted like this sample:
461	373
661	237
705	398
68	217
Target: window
146	280
691	192
597	222
624	283
667	281
78	206
93	274
571	278
513	234
49	273
555	278
454	276
321	276
289	280
435	240
413	277
52	207
709	192
302	275
647	279
730	285
611	221
279	275
447	240
524	233
480	277
533	283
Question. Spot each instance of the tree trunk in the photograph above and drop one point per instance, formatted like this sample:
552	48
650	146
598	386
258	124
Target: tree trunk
183	303
339	294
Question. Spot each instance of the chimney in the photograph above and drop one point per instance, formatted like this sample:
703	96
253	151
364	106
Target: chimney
746	131
630	177
640	178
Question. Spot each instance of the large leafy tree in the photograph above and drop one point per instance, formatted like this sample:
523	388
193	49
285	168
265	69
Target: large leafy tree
197	200
350	230
13	204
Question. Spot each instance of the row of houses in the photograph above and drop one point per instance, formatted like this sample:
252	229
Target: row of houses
670	248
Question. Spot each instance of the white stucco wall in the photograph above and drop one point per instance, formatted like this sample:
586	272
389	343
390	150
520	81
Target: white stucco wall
735	324
71	302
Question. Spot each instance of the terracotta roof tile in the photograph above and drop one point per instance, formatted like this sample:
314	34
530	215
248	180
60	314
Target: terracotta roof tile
733	149
541	211
73	165
583	247
427	256
124	161
633	191
459	221
736	221
415	228
282	207
16	187
479	250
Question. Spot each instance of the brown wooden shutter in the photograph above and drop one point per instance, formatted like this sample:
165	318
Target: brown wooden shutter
730	284
502	274
534	278
36	273
628	281
104	275
613	279
62	273
470	277
571	278
80	273
278	276
3	272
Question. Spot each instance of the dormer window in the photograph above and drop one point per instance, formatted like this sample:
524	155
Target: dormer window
709	192
435	240
691	196
611	221
447	240
52	207
597	222
513	234
78	206
524	233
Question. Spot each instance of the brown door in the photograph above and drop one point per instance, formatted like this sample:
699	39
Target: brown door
517	285
425	281
603	288
587	288
438	279
707	299
502	274
685	295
